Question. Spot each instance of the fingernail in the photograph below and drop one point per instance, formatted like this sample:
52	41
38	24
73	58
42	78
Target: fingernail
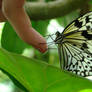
42	50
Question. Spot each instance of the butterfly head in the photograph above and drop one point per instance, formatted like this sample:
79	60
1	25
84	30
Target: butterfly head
57	34
58	38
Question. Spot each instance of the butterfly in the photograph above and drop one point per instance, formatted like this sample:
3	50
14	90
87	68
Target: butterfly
75	46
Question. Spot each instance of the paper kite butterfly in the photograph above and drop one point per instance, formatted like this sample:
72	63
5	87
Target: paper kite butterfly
75	46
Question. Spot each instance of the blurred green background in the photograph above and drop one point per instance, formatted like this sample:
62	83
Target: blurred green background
12	43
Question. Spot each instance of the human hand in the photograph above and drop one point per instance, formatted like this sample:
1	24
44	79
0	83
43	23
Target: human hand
13	11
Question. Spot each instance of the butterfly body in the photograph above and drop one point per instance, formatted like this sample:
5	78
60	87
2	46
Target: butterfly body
59	38
75	46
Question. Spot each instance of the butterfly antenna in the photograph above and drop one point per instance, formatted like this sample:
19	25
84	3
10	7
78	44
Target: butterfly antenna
52	48
47	36
48	43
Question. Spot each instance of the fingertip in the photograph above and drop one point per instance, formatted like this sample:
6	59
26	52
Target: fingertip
43	48
37	41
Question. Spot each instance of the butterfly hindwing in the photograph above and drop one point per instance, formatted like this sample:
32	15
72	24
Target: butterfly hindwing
77	60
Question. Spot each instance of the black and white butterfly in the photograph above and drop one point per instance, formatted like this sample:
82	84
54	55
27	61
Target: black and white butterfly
75	46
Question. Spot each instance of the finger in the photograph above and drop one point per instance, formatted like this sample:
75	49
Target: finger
21	23
2	17
34	38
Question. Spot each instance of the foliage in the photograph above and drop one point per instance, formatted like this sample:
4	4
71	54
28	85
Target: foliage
42	73
37	76
10	41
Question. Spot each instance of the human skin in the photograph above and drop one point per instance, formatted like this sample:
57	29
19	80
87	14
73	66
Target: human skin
13	11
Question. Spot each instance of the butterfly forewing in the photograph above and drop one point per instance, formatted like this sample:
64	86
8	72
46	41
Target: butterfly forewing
77	46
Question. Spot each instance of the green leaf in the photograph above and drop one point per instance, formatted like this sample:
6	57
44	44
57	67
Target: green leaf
40	26
10	41
37	76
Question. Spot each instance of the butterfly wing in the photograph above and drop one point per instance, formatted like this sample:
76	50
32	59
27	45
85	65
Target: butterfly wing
77	60
77	46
